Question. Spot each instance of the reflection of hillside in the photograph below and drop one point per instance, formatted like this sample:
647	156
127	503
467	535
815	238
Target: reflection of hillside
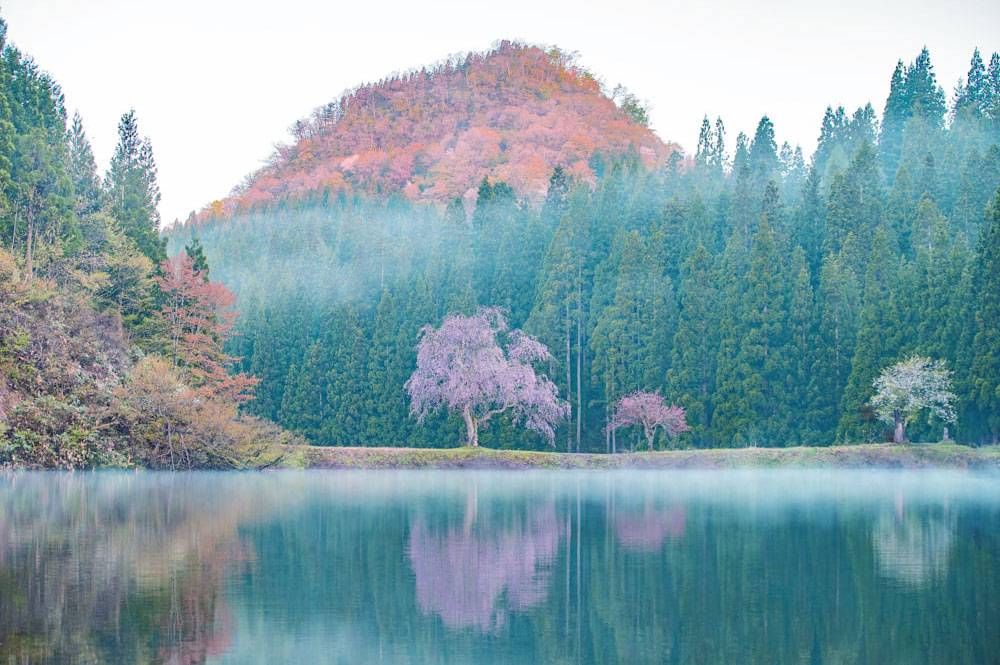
911	547
129	563
647	531
477	574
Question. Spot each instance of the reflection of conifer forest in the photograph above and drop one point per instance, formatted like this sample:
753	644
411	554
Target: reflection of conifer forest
763	292
437	568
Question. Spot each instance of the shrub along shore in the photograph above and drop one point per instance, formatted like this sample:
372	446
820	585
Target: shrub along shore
875	456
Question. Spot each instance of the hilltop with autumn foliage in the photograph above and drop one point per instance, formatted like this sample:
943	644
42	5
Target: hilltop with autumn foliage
511	115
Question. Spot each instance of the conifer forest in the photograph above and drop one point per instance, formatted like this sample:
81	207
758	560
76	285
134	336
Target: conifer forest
761	289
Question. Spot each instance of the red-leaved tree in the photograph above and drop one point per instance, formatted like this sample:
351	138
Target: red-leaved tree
650	411
462	367
199	316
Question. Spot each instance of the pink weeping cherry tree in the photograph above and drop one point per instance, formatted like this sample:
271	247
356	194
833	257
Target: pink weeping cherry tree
649	411
475	366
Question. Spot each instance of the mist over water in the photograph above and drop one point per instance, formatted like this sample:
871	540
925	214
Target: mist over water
487	567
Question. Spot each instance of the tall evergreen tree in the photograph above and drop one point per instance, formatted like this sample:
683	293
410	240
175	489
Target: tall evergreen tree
798	351
555	198
631	340
763	154
706	144
197	254
347	332
7	130
83	168
927	100
691	378
985	368
748	411
133	191
838	302
993	103
972	98
894	117
719	149
872	351
558	315
304	407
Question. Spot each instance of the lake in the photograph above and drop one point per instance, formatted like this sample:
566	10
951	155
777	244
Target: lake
500	567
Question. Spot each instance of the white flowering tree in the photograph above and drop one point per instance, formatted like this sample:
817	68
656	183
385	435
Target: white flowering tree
910	386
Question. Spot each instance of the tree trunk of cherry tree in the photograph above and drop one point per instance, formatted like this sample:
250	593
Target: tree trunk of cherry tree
471	428
898	433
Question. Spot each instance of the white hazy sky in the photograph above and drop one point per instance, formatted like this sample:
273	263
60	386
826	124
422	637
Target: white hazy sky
216	83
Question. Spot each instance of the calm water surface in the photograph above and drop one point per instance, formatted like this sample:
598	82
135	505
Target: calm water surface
477	567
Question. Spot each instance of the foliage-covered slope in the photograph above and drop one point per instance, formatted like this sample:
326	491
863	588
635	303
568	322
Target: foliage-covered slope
511	114
109	353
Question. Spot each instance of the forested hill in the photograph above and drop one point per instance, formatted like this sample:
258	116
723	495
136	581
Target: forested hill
761	290
511	114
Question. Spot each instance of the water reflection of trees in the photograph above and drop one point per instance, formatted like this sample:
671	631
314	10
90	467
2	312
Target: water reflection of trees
557	569
913	546
476	574
646	531
117	568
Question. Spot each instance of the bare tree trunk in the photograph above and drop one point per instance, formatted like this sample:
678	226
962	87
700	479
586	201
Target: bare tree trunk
569	378
29	267
13	234
607	432
579	359
170	446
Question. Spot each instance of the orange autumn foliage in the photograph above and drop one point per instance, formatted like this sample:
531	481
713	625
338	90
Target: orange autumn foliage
198	317
511	114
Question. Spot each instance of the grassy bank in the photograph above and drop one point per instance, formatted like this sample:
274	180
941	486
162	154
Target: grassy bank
885	456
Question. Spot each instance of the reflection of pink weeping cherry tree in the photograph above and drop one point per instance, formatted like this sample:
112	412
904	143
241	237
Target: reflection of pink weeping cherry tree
462	367
476	578
646	532
649	411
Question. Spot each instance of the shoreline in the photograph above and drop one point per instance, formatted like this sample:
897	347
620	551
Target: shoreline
864	456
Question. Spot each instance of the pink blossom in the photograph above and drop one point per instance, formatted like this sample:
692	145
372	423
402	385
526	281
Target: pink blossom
477	577
650	411
462	368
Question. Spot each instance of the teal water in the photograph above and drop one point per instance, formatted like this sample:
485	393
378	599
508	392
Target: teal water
508	567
